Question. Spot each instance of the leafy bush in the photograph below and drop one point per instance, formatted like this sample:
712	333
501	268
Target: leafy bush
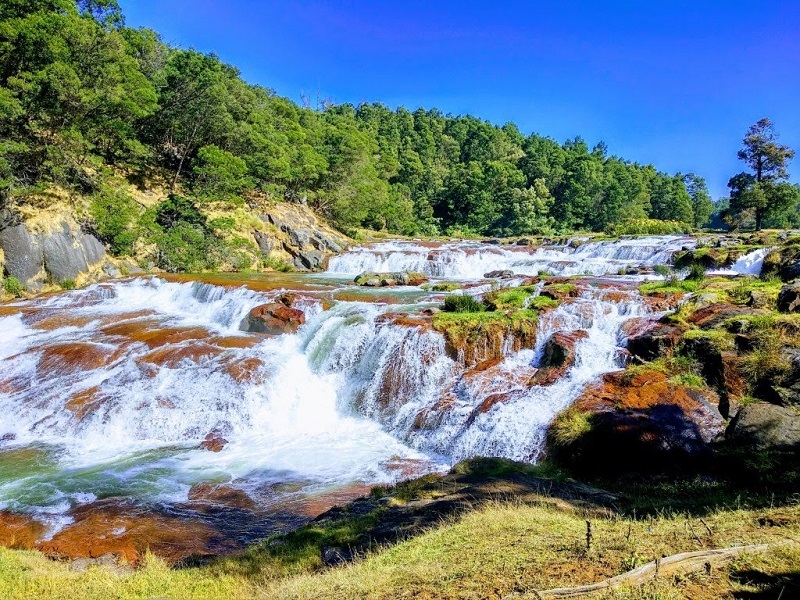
445	287
647	227
219	174
68	284
276	264
115	215
663	270
697	272
13	286
463	304
177	209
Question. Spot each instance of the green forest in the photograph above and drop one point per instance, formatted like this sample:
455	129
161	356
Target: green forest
85	99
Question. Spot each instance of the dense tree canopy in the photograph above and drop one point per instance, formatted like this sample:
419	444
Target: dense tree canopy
80	92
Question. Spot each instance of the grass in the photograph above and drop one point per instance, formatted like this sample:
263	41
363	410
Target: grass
276	264
13	286
719	338
647	227
569	426
488	553
445	287
462	303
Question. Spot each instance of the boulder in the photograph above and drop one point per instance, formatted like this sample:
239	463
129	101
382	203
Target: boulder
274	318
661	340
23	255
558	356
370	279
499	274
789	298
766	426
61	253
213	442
638	422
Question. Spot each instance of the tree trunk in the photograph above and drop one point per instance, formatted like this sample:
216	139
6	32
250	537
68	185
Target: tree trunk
759	218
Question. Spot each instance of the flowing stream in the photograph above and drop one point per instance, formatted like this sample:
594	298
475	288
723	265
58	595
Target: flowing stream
109	391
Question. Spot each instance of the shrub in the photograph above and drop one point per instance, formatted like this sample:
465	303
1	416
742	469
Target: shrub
569	426
68	284
13	286
276	264
219	174
115	215
697	272
462	303
647	227
663	270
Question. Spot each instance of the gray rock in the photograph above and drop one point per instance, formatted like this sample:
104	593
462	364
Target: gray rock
789	298
110	270
23	252
64	257
310	259
498	274
766	426
264	242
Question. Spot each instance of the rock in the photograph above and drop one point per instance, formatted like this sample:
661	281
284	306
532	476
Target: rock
472	342
370	279
758	299
214	442
716	314
639	423
62	253
558	356
659	341
766	426
264	242
274	318
20	531
789	298
111	270
224	495
498	274
23	255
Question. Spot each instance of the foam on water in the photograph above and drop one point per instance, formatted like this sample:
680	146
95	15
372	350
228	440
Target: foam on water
471	260
747	264
334	403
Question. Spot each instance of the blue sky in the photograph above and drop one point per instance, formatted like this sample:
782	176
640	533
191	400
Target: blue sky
673	83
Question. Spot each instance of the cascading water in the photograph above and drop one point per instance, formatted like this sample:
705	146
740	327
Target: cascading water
112	388
747	264
471	260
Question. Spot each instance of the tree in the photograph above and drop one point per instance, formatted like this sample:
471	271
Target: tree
764	192
702	205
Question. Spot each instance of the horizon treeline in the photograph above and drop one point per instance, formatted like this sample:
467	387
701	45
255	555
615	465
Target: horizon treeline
83	98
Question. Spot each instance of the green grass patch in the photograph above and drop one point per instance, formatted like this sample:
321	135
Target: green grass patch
569	426
462	303
13	286
445	286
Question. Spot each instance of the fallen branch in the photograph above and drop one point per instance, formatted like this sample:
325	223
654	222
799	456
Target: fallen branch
686	562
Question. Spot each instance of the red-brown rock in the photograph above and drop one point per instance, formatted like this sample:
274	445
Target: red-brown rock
642	421
558	356
213	442
275	318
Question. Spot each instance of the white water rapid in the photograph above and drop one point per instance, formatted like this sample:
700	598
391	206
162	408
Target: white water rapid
471	260
109	391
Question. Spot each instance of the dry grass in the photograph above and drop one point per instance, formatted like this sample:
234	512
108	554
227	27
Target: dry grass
489	553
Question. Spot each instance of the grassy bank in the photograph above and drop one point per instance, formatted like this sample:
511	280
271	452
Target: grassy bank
529	534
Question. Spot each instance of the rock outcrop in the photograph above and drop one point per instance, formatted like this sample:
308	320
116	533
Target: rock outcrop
295	231
60	251
766	427
558	356
789	298
637	422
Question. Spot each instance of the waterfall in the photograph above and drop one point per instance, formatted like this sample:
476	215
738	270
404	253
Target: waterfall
471	260
113	387
747	264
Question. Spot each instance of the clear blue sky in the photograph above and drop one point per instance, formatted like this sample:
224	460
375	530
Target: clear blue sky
673	83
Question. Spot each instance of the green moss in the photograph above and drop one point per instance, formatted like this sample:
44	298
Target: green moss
721	339
541	303
564	289
668	286
444	287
